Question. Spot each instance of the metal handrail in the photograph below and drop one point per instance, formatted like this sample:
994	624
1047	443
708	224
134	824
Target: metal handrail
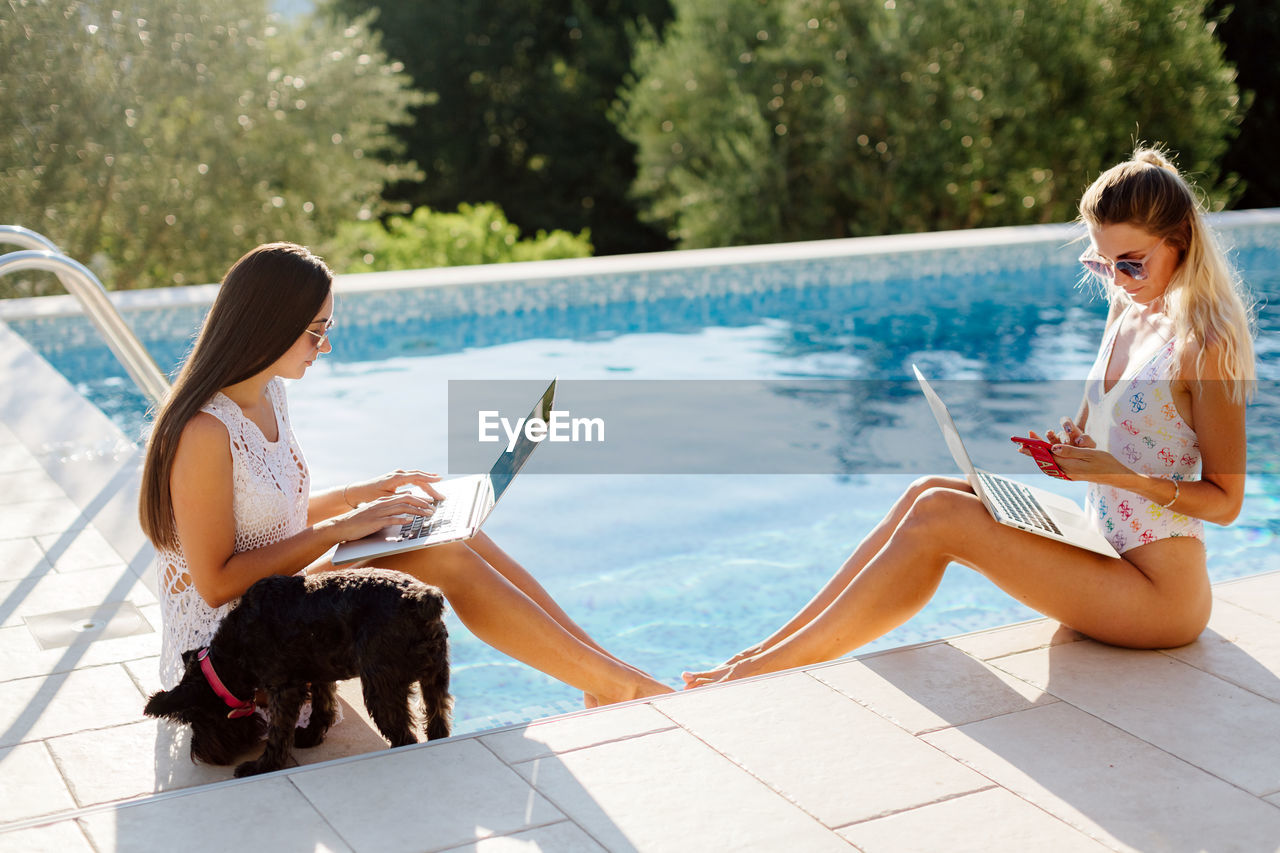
42	254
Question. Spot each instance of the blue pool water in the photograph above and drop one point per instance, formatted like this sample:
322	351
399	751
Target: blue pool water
678	571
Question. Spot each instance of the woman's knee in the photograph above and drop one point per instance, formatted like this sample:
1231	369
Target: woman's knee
936	511
933	481
443	566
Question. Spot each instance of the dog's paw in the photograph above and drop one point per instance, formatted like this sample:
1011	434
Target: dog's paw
251	768
308	737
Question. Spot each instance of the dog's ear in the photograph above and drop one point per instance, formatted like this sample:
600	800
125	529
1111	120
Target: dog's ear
188	656
172	704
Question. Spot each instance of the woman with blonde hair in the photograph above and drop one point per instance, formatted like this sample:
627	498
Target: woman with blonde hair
1159	438
226	495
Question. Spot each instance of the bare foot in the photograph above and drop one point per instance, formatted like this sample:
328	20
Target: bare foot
702	679
745	654
755	651
589	701
643	686
744	668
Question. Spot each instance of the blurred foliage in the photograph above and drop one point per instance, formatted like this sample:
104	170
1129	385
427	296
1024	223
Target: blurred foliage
517	105
774	120
477	234
158	140
1251	35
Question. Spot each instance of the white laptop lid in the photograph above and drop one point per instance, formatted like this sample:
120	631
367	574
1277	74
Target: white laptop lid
948	426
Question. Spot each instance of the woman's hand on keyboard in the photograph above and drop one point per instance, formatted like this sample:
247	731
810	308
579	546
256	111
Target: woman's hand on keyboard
390	484
372	516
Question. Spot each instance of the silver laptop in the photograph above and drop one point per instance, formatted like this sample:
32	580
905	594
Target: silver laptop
1010	502
467	503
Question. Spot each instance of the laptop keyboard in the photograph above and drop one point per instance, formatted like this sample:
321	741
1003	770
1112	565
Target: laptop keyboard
1017	502
445	515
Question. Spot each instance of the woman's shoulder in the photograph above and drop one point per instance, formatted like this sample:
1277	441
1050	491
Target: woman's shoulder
204	430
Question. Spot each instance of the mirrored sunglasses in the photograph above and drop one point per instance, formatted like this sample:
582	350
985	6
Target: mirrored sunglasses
1106	270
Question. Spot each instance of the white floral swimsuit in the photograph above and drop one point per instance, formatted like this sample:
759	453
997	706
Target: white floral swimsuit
1138	423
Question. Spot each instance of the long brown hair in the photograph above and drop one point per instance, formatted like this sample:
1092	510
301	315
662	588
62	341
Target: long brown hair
266	301
1206	299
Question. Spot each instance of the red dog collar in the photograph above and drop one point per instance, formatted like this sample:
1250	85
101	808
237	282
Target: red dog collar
238	708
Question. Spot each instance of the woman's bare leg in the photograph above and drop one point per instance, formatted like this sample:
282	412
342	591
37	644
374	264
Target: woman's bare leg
501	614
1164	603
528	584
861	556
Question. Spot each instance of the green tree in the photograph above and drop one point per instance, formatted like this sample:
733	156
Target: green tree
518	95
1251	32
159	140
801	119
477	234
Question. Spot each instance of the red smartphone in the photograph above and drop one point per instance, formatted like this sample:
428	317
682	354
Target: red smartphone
1044	458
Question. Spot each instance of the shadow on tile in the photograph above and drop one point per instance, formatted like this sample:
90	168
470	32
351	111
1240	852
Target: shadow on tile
1129	756
354	735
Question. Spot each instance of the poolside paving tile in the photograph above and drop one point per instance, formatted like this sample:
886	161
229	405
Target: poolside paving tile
1260	594
426	797
1007	824
1189	713
37	708
22	558
931	687
245	816
562	837
670	791
29	485
1239	646
997	642
30	784
145	673
143	758
860	766
37	517
22	657
1109	784
57	592
16	457
575	732
88	549
62	837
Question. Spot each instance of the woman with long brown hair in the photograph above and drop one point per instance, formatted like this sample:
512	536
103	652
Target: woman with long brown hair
226	494
1159	438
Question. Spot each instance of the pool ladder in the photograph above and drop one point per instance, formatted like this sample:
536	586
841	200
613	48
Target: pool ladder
40	253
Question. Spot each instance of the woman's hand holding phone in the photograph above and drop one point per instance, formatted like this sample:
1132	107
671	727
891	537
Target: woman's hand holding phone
1041	449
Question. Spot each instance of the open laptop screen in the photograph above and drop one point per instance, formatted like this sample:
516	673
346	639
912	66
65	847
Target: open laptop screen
946	424
509	463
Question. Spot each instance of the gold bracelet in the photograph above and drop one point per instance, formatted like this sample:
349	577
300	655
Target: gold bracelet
348	502
1176	491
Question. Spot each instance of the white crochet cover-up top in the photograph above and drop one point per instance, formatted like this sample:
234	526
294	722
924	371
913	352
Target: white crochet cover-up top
272	487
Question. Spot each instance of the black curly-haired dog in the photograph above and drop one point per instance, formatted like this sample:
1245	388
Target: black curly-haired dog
288	632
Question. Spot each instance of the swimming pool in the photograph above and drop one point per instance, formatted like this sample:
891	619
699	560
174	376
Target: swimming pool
678	570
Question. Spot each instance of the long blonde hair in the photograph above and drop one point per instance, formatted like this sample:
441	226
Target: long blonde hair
1205	299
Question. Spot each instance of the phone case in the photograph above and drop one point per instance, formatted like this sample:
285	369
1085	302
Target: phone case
1044	458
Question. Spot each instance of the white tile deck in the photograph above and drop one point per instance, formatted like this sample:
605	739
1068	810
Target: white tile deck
1020	738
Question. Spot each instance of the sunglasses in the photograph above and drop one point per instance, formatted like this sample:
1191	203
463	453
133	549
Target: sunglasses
321	337
1106	270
